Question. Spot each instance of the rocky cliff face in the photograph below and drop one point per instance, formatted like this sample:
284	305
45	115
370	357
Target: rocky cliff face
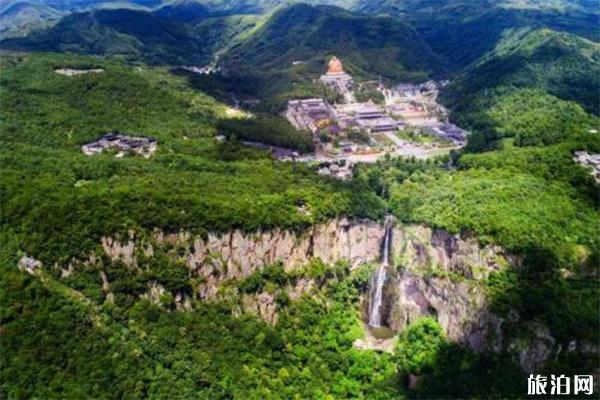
441	275
236	254
432	272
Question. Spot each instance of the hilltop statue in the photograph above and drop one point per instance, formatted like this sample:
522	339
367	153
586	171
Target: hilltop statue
335	66
338	79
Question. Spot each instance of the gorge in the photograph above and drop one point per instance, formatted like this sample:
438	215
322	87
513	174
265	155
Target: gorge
421	272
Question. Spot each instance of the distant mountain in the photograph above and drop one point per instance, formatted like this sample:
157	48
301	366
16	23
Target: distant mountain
562	64
86	5
20	18
127	33
368	46
462	31
185	11
133	34
470	6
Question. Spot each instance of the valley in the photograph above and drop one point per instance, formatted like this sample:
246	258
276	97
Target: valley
276	200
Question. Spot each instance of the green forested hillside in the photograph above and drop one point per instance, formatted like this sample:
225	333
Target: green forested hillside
312	34
118	32
289	49
59	201
57	343
529	96
561	64
528	87
125	33
20	17
463	31
183	10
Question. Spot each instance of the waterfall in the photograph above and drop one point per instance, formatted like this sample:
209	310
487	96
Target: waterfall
376	292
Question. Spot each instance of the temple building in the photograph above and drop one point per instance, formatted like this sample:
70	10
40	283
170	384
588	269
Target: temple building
309	114
367	117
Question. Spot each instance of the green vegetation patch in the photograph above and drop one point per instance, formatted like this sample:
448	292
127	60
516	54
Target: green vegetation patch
60	202
267	130
516	210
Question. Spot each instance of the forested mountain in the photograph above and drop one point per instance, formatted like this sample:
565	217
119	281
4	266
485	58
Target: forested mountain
368	45
125	33
279	53
60	202
289	49
561	64
209	269
184	11
463	31
20	18
72	112
554	64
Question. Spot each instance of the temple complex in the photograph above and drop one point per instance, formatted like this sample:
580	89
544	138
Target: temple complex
365	130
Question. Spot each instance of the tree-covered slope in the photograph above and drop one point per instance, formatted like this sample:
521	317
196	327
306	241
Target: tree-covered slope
463	31
60	202
562	64
178	35
370	46
528	73
118	32
531	116
20	18
183	10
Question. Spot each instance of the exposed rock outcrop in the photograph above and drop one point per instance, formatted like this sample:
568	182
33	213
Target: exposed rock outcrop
221	257
439	274
262	305
432	273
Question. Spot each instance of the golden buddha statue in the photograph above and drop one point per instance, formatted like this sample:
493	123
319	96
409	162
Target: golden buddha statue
335	66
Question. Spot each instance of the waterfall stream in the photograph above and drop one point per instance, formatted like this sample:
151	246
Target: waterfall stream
376	292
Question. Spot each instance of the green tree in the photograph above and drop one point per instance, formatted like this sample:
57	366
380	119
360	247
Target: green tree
419	346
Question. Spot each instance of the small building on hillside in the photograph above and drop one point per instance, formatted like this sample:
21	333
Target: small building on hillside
123	143
591	161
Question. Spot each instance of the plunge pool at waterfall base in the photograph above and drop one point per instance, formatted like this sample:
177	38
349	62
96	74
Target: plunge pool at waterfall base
377	338
382	332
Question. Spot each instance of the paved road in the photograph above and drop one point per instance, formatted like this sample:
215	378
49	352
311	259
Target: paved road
407	151
397	141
